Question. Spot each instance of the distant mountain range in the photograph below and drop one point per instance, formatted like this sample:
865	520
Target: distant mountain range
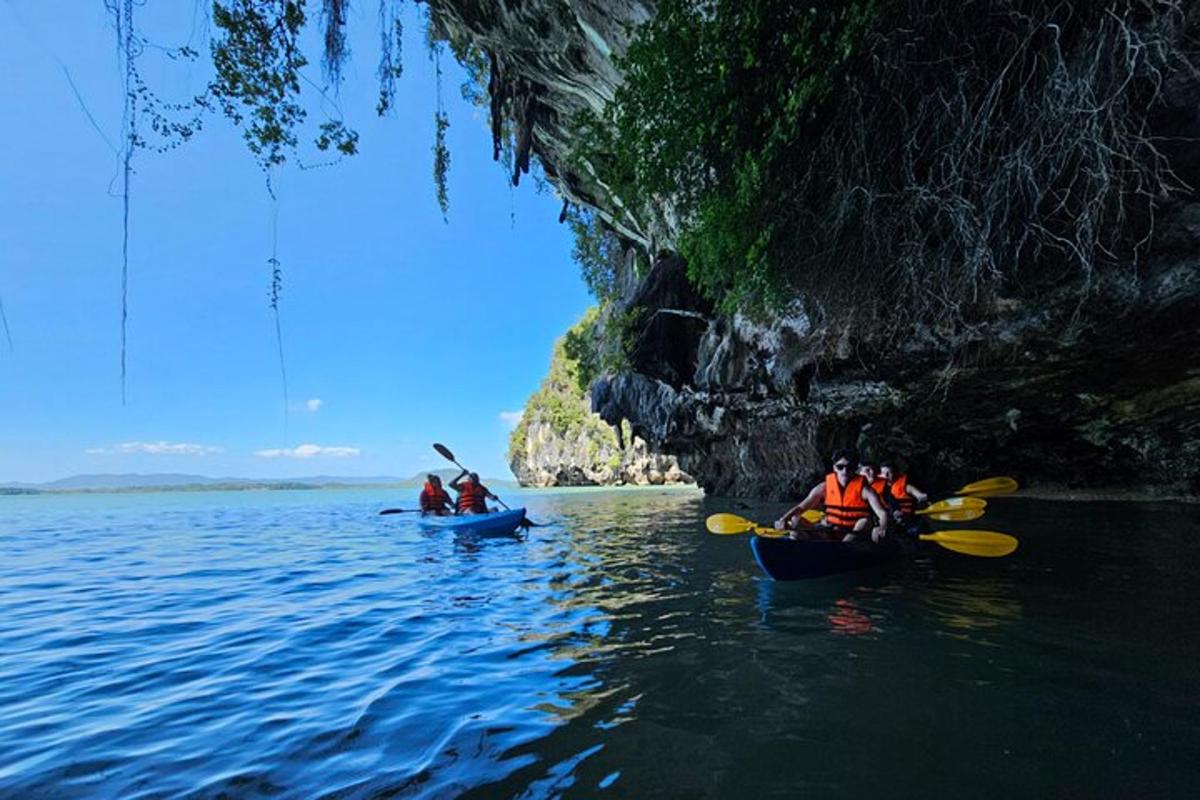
171	480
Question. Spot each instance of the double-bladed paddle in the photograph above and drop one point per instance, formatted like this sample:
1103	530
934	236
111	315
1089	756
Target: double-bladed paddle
985	544
954	509
445	453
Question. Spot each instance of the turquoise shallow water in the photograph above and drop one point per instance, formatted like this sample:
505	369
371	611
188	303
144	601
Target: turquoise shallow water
295	644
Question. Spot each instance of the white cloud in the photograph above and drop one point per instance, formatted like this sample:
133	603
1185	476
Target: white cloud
156	449
308	451
511	418
314	404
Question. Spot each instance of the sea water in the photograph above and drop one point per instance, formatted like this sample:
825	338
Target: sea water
296	644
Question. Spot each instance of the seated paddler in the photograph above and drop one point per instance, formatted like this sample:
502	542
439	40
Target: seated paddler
472	495
898	492
851	506
434	499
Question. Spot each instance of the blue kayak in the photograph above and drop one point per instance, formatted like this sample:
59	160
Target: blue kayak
791	560
495	524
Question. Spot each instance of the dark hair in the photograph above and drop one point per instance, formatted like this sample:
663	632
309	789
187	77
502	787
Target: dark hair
845	453
893	462
432	477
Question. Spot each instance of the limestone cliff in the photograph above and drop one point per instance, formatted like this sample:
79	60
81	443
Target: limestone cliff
1092	380
559	441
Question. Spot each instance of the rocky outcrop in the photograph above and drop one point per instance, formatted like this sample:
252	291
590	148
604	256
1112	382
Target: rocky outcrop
1080	385
559	441
1100	395
590	458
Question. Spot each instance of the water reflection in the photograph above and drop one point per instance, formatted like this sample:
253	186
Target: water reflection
846	618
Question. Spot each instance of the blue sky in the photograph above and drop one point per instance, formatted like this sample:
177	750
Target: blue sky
399	329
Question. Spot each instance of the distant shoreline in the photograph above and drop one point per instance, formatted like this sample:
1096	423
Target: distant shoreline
277	486
209	487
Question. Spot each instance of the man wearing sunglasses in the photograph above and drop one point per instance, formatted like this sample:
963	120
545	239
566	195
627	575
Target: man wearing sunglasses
848	501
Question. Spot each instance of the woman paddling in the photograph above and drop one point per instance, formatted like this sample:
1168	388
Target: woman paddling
472	495
434	499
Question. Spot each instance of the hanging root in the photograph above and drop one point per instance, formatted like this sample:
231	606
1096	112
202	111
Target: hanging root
981	149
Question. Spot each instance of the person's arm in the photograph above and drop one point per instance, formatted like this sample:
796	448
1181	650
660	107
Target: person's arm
920	496
422	499
454	483
880	512
815	497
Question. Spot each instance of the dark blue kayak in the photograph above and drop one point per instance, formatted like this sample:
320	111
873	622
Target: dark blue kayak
497	523
791	560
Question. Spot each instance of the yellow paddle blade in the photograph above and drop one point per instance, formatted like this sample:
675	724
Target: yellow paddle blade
813	515
987	544
728	523
951	503
990	487
955	514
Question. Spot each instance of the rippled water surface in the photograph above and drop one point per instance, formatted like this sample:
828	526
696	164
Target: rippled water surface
295	644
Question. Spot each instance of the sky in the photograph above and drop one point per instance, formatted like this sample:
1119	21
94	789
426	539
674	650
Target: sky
399	329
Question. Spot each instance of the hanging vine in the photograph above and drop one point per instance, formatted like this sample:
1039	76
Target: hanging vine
391	42
128	49
258	68
4	322
336	51
441	123
275	294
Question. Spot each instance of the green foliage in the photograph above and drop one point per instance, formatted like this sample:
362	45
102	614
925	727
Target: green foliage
258	63
562	401
713	106
598	252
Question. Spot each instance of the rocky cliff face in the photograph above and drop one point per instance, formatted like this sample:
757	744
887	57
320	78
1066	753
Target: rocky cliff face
1076	386
560	442
551	459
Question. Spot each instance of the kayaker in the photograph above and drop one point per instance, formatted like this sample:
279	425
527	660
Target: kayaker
873	479
434	499
899	490
472	495
848	500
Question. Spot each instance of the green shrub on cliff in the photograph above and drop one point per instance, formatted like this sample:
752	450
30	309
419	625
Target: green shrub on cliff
714	93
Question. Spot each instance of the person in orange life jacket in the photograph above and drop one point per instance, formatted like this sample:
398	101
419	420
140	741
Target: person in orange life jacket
472	495
434	499
898	492
874	479
849	503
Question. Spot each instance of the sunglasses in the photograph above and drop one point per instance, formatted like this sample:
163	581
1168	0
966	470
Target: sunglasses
841	466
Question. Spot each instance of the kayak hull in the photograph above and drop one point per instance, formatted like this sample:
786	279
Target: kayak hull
791	560
497	523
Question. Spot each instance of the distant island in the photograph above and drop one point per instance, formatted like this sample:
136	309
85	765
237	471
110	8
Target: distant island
176	482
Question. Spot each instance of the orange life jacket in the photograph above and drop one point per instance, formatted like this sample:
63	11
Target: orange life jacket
899	490
472	497
845	507
879	485
433	499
